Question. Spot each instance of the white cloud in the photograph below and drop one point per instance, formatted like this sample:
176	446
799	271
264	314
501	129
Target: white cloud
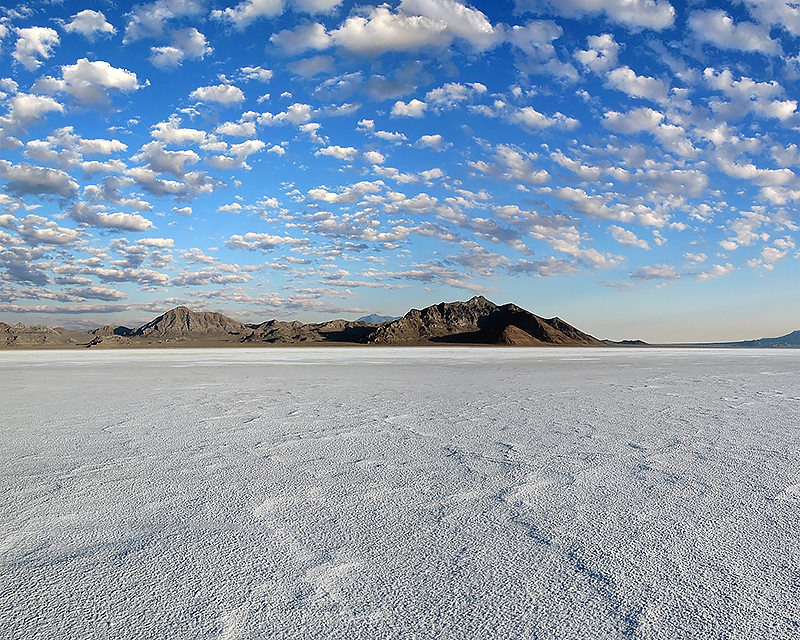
33	45
627	238
626	80
341	153
90	24
348	195
716	271
295	114
776	12
414	109
149	20
656	272
90	82
717	27
27	179
95	216
601	54
529	117
462	21
187	44
385	31
237	129
221	93
302	38
452	93
310	67
374	157
262	241
434	141
234	207
652	14
636	120
514	165
256	73
536	38
747	96
277	150
249	11
171	132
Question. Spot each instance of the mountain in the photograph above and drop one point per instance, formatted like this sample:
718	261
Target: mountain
789	340
374	318
182	323
277	332
477	321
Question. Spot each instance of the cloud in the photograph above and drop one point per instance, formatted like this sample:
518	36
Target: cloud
434	141
36	230
27	179
515	165
529	117
95	216
627	238
89	82
349	195
302	38
656	272
414	109
310	67
651	14
247	12
187	44
220	93
626	80
262	242
601	54
715	271
256	73
452	93
34	44
341	153
90	24
717	27
149	20
748	96
634	121
776	12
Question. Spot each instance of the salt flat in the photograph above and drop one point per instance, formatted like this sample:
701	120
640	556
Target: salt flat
400	493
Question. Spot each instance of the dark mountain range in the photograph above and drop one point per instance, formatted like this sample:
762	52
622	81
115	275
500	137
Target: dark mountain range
476	321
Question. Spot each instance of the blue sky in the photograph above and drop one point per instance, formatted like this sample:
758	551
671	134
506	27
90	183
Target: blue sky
628	165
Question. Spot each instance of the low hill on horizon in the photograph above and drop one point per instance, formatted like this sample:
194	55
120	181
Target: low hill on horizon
476	321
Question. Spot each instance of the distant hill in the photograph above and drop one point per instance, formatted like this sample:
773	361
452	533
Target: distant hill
374	318
790	340
478	321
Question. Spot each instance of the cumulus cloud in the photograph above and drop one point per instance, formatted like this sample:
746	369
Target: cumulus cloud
717	27
656	272
414	109
150	20
341	153
349	195
651	14
303	38
187	44
513	164
89	82
625	79
434	141
256	73
601	54
262	241
27	179
96	216
90	24
452	93
634	121
746	96
627	237
247	12
220	93
34	45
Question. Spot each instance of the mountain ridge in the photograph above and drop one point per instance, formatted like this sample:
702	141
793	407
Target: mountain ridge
475	321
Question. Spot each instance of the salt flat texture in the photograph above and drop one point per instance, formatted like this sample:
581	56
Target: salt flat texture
400	493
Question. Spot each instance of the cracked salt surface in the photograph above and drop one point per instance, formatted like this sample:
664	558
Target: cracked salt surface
408	493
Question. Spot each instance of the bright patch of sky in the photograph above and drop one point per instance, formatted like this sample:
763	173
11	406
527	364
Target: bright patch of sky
629	166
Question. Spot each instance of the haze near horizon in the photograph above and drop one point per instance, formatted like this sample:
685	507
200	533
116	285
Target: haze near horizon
632	170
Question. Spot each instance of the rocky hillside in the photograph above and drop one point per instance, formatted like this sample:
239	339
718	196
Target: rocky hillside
181	323
478	321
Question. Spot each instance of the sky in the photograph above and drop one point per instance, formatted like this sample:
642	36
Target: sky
631	166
